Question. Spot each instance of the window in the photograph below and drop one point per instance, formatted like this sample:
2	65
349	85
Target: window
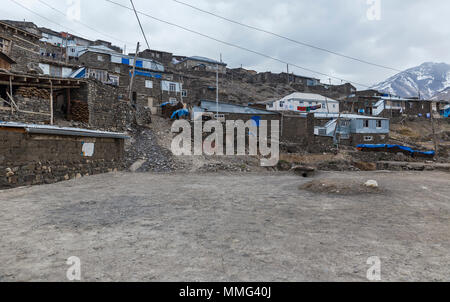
100	75
100	58
4	45
148	84
366	123
173	101
368	138
172	87
117	69
184	93
134	96
379	124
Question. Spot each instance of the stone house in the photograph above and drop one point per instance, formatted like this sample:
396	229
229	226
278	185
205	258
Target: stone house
152	85
20	45
160	56
197	63
374	103
305	102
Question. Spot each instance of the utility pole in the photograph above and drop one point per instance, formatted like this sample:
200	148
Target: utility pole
287	65
130	92
51	102
217	90
140	25
436	145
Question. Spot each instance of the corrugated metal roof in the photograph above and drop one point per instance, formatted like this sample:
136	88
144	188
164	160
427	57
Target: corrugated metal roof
211	106
308	97
55	130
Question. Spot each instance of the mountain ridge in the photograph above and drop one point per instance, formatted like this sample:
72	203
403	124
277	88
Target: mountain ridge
428	79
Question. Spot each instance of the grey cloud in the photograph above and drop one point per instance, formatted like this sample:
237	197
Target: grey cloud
408	34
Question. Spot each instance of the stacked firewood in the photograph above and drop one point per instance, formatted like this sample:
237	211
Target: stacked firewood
80	111
33	93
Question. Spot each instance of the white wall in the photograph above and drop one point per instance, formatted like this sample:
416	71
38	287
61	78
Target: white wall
293	104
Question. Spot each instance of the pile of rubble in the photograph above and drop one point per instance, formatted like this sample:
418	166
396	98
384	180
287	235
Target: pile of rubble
144	154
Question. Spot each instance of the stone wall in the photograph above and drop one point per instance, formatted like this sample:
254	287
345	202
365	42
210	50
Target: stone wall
418	107
24	48
107	108
32	110
357	139
41	159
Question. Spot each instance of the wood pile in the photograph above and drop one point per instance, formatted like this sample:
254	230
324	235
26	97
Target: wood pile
80	111
33	93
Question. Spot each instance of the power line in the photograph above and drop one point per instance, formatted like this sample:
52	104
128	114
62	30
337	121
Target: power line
49	20
140	25
287	38
45	18
84	24
239	47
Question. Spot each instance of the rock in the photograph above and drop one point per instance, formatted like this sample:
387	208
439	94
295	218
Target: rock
137	165
364	166
371	184
78	176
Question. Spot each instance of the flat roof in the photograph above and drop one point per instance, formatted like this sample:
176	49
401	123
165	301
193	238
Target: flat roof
347	116
55	130
23	79
211	106
308	97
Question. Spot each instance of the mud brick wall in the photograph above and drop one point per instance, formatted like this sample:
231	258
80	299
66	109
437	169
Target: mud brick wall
296	129
42	159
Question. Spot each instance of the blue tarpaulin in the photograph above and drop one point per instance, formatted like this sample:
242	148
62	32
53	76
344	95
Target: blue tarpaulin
395	148
147	74
180	113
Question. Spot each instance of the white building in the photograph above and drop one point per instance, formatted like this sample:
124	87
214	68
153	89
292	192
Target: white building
305	102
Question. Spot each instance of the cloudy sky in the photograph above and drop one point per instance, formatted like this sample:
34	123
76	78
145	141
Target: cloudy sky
407	33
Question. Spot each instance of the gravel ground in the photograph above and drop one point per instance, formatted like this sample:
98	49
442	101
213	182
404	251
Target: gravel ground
226	227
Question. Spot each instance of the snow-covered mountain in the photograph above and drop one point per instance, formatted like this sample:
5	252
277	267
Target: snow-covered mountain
444	95
429	78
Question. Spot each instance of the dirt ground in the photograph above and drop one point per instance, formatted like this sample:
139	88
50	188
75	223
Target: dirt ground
226	227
